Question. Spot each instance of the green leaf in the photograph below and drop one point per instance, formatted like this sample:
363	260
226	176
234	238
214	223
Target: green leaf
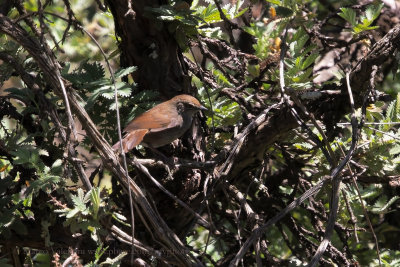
124	71
95	199
221	77
78	200
26	154
108	92
381	206
254	70
397	109
144	96
72	213
395	150
393	111
99	252
308	49
211	14
92	99
360	28
24	94
373	11
115	261
275	2
303	77
309	60
284	11
124	89
44	182
86	73
241	12
349	15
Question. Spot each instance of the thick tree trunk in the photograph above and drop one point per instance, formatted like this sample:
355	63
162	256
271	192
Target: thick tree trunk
146	42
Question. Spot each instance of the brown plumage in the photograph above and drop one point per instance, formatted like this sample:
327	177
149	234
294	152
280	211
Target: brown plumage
162	124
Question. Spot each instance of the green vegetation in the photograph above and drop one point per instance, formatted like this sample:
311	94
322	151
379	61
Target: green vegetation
262	144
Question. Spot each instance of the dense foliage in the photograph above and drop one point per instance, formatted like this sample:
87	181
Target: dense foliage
295	162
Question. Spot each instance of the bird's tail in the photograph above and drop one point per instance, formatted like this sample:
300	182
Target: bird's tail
131	140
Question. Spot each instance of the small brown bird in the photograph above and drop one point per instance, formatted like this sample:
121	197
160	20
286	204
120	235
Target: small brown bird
162	124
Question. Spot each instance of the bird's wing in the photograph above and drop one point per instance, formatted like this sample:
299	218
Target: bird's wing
171	124
152	120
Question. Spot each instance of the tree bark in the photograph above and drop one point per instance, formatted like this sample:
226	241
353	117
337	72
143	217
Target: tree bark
146	42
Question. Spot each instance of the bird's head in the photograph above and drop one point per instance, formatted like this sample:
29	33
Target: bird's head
187	103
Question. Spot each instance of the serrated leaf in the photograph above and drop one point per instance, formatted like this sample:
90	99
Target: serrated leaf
61	211
381	206
303	77
299	33
144	96
124	90
395	150
308	49
301	43
86	73
78	200
97	83
44	182
297	62
108	94
26	154
115	261
94	70
99	252
393	111
72	213
373	11
23	94
304	145
309	60
92	99
108	91
124	71
349	15
221	77
397	109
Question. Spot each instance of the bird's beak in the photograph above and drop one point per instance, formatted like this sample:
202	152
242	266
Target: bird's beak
203	108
